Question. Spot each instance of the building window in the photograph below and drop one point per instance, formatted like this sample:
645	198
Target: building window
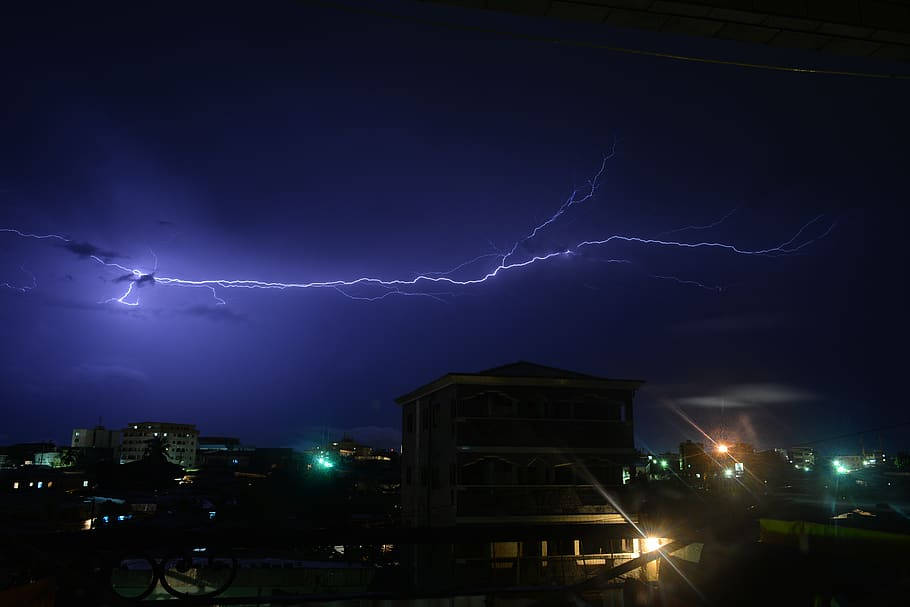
16	483
410	422
559	410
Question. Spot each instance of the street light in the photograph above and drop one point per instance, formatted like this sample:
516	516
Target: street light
722	448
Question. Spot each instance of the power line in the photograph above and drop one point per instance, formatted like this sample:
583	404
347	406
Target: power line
604	47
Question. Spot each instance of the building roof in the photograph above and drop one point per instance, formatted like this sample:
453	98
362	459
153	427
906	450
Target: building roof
523	368
519	373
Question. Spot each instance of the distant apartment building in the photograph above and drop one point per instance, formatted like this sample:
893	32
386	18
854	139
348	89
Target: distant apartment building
178	441
218	443
803	457
223	452
98	437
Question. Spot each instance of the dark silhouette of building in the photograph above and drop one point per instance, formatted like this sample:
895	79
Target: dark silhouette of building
518	445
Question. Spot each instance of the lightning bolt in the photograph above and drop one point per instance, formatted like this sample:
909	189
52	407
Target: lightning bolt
122	298
713	224
411	286
694	283
35	236
21	288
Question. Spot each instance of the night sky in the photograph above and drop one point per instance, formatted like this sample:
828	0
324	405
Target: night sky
297	142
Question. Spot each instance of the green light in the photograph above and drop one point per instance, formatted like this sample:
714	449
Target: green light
325	462
841	469
663	463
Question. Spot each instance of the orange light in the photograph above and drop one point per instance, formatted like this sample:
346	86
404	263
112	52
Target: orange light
722	448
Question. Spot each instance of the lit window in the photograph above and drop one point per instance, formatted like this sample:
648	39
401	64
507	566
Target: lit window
49	483
85	483
40	484
15	484
31	484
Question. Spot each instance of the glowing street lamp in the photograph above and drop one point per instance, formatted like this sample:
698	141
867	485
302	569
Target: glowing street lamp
722	448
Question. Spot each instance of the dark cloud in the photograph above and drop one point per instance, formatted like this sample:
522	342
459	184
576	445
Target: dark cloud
750	395
87	249
216	313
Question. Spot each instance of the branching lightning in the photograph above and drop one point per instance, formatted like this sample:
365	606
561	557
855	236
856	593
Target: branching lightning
21	288
461	275
694	283
35	236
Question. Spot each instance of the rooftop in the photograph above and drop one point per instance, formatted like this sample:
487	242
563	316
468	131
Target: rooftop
518	373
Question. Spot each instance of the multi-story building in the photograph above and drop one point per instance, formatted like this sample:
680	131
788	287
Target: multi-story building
98	437
522	445
517	443
803	457
178	441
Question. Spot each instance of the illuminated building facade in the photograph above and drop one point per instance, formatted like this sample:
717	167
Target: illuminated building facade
178	441
802	457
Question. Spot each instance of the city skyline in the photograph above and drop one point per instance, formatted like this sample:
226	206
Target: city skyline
203	164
